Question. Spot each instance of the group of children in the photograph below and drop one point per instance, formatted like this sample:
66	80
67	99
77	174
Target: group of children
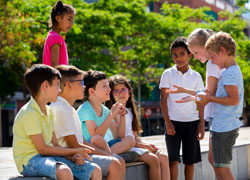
61	142
222	99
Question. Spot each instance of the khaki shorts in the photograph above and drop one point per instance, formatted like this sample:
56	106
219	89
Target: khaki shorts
222	143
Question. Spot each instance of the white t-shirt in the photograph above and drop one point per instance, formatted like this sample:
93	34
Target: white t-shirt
182	112
129	132
66	121
215	71
129	119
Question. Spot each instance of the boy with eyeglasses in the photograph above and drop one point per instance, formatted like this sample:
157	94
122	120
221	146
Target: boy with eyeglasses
68	126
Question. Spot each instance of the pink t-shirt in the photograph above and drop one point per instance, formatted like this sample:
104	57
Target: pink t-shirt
55	38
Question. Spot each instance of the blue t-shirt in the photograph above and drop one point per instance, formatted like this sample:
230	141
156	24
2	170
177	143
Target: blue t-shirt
86	112
226	118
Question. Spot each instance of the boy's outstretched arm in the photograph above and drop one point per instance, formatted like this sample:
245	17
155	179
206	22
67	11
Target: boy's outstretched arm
164	108
180	89
231	100
55	150
72	142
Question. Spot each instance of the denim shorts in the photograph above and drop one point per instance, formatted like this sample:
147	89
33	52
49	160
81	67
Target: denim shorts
46	166
222	143
103	162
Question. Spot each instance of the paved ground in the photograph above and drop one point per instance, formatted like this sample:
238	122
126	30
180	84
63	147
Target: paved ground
8	168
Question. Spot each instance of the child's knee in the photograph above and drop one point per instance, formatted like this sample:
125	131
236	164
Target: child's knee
163	158
63	172
154	160
97	139
115	166
122	163
97	173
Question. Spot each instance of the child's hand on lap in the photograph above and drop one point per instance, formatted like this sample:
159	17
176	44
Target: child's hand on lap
84	152
154	148
78	159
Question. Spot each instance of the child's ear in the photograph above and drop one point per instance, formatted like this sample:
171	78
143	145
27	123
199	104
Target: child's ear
223	51
58	18
91	91
190	55
45	85
67	84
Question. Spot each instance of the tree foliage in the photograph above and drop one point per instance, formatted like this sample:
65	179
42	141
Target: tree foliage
114	36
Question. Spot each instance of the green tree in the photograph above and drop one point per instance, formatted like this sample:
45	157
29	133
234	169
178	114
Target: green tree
114	36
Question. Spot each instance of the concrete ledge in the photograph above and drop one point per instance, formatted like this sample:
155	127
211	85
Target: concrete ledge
240	165
29	178
136	171
139	171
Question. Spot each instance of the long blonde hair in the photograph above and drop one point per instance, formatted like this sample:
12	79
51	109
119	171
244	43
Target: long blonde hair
199	37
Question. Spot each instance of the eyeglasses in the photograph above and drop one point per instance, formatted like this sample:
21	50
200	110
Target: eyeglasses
77	81
119	91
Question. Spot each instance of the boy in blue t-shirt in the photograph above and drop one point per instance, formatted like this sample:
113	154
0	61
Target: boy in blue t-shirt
221	49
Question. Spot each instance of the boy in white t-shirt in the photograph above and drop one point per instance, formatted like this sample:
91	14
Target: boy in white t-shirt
68	126
183	123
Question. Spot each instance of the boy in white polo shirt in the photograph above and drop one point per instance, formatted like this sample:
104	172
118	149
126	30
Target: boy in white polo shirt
183	123
68	126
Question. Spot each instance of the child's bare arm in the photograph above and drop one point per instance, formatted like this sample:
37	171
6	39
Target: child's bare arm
231	100
201	129
212	85
164	108
122	124
102	129
180	89
72	142
54	55
56	150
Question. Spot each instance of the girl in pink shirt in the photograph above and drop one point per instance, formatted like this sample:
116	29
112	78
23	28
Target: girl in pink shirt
55	48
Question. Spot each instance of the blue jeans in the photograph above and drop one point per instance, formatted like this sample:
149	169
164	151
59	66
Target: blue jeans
46	166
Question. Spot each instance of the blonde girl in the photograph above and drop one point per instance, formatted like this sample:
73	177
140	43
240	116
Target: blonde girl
122	92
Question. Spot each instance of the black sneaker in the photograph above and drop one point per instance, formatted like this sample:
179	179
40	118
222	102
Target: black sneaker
130	156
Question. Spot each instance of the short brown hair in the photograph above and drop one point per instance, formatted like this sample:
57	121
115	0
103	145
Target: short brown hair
68	73
221	39
37	74
91	79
